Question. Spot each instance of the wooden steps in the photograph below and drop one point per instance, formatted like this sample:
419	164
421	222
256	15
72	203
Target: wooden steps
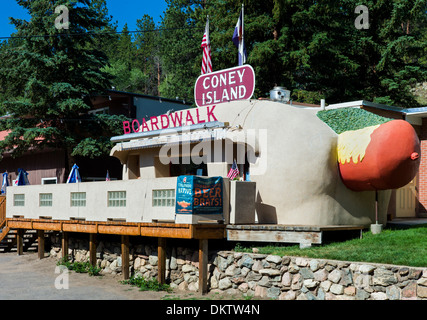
8	240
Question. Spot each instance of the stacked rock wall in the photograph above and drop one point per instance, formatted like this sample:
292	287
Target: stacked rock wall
261	275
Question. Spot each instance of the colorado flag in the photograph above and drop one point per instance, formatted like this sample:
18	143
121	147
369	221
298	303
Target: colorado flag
238	40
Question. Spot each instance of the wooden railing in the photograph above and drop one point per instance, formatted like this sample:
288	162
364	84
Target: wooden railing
2	210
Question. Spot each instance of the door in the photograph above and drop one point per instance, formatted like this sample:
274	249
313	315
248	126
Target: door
406	200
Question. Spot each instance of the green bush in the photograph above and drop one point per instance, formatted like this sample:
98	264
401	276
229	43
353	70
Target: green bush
80	267
146	285
345	119
94	270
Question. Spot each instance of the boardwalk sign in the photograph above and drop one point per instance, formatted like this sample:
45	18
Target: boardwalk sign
224	86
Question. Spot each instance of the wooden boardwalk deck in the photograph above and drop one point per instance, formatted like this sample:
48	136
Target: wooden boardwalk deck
304	235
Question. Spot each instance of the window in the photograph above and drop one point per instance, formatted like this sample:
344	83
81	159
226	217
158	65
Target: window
50	180
78	199
45	199
164	198
19	200
117	198
188	167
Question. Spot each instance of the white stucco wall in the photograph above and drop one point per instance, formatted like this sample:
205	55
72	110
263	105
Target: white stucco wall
138	207
295	168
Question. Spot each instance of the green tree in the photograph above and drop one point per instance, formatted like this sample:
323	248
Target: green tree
313	48
48	79
179	49
129	67
148	54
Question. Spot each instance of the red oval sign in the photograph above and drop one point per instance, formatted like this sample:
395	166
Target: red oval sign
225	85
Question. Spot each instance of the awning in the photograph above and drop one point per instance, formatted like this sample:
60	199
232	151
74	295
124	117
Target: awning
211	131
172	139
169	131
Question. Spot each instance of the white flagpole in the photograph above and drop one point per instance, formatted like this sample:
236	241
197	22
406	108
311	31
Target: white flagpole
243	34
207	28
242	49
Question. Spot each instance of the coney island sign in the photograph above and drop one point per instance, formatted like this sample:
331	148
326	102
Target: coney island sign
226	85
211	89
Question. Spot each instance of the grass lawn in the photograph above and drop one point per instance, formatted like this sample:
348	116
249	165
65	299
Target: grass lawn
399	246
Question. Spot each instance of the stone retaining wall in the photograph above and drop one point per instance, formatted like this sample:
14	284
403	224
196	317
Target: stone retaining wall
265	276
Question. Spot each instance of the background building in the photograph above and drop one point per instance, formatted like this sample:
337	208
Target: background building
49	166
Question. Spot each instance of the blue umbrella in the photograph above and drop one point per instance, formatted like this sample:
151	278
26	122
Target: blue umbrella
74	175
5	183
22	177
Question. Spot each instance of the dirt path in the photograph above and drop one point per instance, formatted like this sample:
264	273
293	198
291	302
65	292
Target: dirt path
27	277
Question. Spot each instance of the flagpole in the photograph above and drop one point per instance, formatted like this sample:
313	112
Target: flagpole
208	35
243	34
206	60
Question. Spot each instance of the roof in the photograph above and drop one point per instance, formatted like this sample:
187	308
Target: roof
357	103
146	96
412	115
3	134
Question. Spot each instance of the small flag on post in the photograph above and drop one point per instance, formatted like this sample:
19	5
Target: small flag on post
22	179
206	45
74	176
5	183
239	39
107	178
234	171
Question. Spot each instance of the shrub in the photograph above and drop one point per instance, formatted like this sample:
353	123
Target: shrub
146	285
80	267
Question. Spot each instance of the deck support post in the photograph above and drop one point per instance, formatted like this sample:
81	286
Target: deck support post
203	266
64	245
92	249
125	257
20	241
161	264
40	240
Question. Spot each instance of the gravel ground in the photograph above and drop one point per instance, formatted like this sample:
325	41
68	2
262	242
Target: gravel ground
26	277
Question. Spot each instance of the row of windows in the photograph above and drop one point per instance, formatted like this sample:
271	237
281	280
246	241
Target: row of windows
161	198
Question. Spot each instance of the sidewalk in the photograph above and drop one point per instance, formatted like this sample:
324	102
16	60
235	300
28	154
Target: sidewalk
407	221
28	278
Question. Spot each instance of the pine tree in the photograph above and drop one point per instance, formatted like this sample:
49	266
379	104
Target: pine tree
313	48
180	49
148	54
50	76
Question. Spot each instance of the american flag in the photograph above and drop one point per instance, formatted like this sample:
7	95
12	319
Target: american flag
107	178
234	171
206	45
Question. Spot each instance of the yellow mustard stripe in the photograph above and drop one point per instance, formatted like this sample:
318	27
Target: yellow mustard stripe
352	144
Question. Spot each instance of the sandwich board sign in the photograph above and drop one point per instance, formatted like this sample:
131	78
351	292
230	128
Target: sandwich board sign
199	195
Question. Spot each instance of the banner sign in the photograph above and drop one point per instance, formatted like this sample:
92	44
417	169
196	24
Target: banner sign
198	195
225	85
171	120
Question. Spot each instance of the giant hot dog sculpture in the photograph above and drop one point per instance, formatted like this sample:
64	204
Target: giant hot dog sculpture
380	157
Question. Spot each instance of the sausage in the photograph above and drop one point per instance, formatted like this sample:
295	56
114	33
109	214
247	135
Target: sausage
390	160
